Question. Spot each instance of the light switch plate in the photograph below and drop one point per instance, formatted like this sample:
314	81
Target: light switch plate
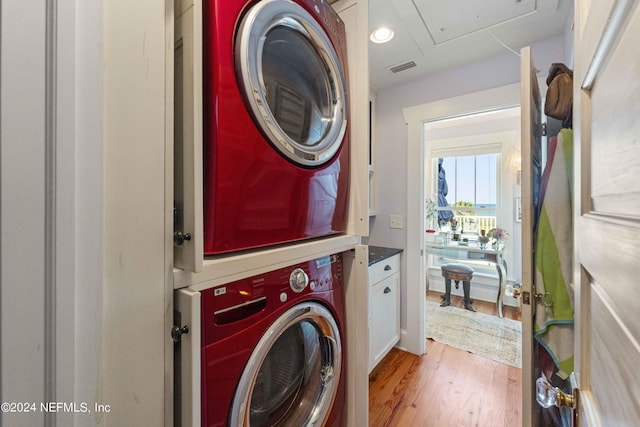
395	221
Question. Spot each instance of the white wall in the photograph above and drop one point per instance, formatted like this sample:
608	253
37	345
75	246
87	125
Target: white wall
568	38
391	129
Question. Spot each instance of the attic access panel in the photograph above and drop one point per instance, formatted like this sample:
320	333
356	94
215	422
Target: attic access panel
451	19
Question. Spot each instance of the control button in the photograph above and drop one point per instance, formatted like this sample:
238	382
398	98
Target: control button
283	297
298	280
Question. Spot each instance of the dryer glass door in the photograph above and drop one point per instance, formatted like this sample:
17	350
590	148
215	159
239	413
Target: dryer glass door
292	81
292	376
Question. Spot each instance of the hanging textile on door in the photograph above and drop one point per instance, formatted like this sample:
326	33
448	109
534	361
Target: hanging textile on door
554	252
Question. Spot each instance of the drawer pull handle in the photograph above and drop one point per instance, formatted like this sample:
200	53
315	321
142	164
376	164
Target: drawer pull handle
387	290
387	267
239	312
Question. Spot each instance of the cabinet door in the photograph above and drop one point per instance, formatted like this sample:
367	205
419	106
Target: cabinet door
186	358
384	331
188	253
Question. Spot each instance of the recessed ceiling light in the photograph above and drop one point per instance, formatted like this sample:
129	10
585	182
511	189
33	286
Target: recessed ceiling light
381	35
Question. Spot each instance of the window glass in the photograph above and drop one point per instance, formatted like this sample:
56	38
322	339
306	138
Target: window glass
299	91
471	190
288	384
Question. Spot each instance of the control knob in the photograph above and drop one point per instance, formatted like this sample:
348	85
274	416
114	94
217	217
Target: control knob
298	280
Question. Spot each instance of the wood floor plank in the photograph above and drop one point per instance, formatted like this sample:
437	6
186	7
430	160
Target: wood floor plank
389	397
445	387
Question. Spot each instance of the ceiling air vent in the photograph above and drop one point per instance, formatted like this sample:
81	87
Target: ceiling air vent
402	67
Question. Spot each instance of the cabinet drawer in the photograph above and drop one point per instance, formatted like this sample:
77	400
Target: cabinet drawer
383	269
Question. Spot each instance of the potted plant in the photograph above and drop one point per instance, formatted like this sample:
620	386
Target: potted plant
499	235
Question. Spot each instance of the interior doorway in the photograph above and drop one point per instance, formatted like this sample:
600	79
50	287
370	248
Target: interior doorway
468	112
468	106
478	156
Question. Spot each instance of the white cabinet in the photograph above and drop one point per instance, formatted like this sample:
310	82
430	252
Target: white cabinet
384	308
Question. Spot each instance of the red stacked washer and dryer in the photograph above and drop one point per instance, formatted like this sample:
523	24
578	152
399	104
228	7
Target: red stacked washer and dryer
276	150
276	165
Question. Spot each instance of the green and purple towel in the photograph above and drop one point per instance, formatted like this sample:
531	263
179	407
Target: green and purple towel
554	253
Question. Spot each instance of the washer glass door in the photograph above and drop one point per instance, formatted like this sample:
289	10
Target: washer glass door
292	81
292	375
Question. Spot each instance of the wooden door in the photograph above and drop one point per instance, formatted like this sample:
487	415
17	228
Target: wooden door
607	211
531	165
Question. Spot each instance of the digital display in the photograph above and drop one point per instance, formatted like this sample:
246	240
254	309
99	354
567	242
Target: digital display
324	261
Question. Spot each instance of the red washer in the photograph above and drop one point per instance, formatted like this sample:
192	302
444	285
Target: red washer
273	348
276	144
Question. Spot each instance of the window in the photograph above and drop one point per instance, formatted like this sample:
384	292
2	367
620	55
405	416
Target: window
467	189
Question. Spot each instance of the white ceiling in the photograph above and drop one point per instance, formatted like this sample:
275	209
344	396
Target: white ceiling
439	34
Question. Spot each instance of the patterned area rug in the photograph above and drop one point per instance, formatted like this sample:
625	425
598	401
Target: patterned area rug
487	336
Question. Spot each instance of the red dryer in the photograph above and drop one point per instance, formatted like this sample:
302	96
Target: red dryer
273	348
276	146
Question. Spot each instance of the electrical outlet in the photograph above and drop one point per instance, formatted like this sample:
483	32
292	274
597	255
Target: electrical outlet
395	221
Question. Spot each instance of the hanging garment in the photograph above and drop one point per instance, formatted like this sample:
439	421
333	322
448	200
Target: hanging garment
553	254
443	189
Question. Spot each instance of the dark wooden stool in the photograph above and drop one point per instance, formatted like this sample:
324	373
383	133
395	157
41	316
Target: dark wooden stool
457	273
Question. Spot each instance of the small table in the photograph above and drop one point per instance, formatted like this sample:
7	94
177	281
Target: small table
489	254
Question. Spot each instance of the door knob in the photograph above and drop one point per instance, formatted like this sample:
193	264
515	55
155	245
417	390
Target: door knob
516	291
179	238
512	290
177	332
548	395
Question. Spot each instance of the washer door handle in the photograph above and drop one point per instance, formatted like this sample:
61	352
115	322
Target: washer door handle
328	359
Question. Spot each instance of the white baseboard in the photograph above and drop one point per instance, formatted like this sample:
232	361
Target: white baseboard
403	339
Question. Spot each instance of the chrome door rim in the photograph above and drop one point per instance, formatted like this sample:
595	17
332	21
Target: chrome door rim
262	18
311	311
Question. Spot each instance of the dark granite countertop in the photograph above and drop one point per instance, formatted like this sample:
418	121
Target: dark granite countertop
378	253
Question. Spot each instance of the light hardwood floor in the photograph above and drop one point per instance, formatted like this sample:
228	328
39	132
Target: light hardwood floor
445	386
